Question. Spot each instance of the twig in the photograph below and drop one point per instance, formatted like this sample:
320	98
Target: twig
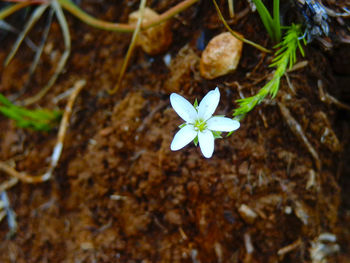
64	125
297	66
58	147
298	132
333	13
8	184
284	250
230	8
290	84
248	247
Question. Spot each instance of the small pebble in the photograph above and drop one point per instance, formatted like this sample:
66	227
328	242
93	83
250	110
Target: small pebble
221	56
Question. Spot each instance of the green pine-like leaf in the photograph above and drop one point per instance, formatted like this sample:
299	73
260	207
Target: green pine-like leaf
38	119
285	57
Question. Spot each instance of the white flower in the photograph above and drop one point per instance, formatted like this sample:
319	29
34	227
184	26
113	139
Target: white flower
199	122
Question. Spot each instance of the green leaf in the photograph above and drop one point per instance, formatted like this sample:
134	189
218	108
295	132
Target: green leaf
264	16
195	141
217	134
285	57
4	101
195	105
272	25
276	20
38	119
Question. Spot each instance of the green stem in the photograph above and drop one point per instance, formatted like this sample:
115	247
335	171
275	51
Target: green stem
119	27
261	48
265	17
91	21
13	8
131	46
230	8
276	20
105	25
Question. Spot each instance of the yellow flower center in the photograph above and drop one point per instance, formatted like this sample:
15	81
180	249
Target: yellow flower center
200	125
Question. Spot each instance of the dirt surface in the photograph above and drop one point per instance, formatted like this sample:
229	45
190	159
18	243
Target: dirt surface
119	194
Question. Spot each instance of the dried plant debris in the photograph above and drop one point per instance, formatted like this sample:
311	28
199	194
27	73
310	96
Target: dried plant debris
323	246
35	16
316	19
7	211
299	133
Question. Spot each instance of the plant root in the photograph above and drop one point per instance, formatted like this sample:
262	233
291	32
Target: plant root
67	47
40	49
32	20
6	210
8	184
58	147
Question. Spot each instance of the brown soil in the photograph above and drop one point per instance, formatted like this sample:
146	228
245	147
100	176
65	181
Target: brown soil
259	193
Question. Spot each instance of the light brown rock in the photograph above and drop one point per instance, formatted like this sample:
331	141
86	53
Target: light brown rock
154	40
221	56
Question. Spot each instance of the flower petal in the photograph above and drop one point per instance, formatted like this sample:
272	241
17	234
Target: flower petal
222	124
208	104
183	137
183	108
206	142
